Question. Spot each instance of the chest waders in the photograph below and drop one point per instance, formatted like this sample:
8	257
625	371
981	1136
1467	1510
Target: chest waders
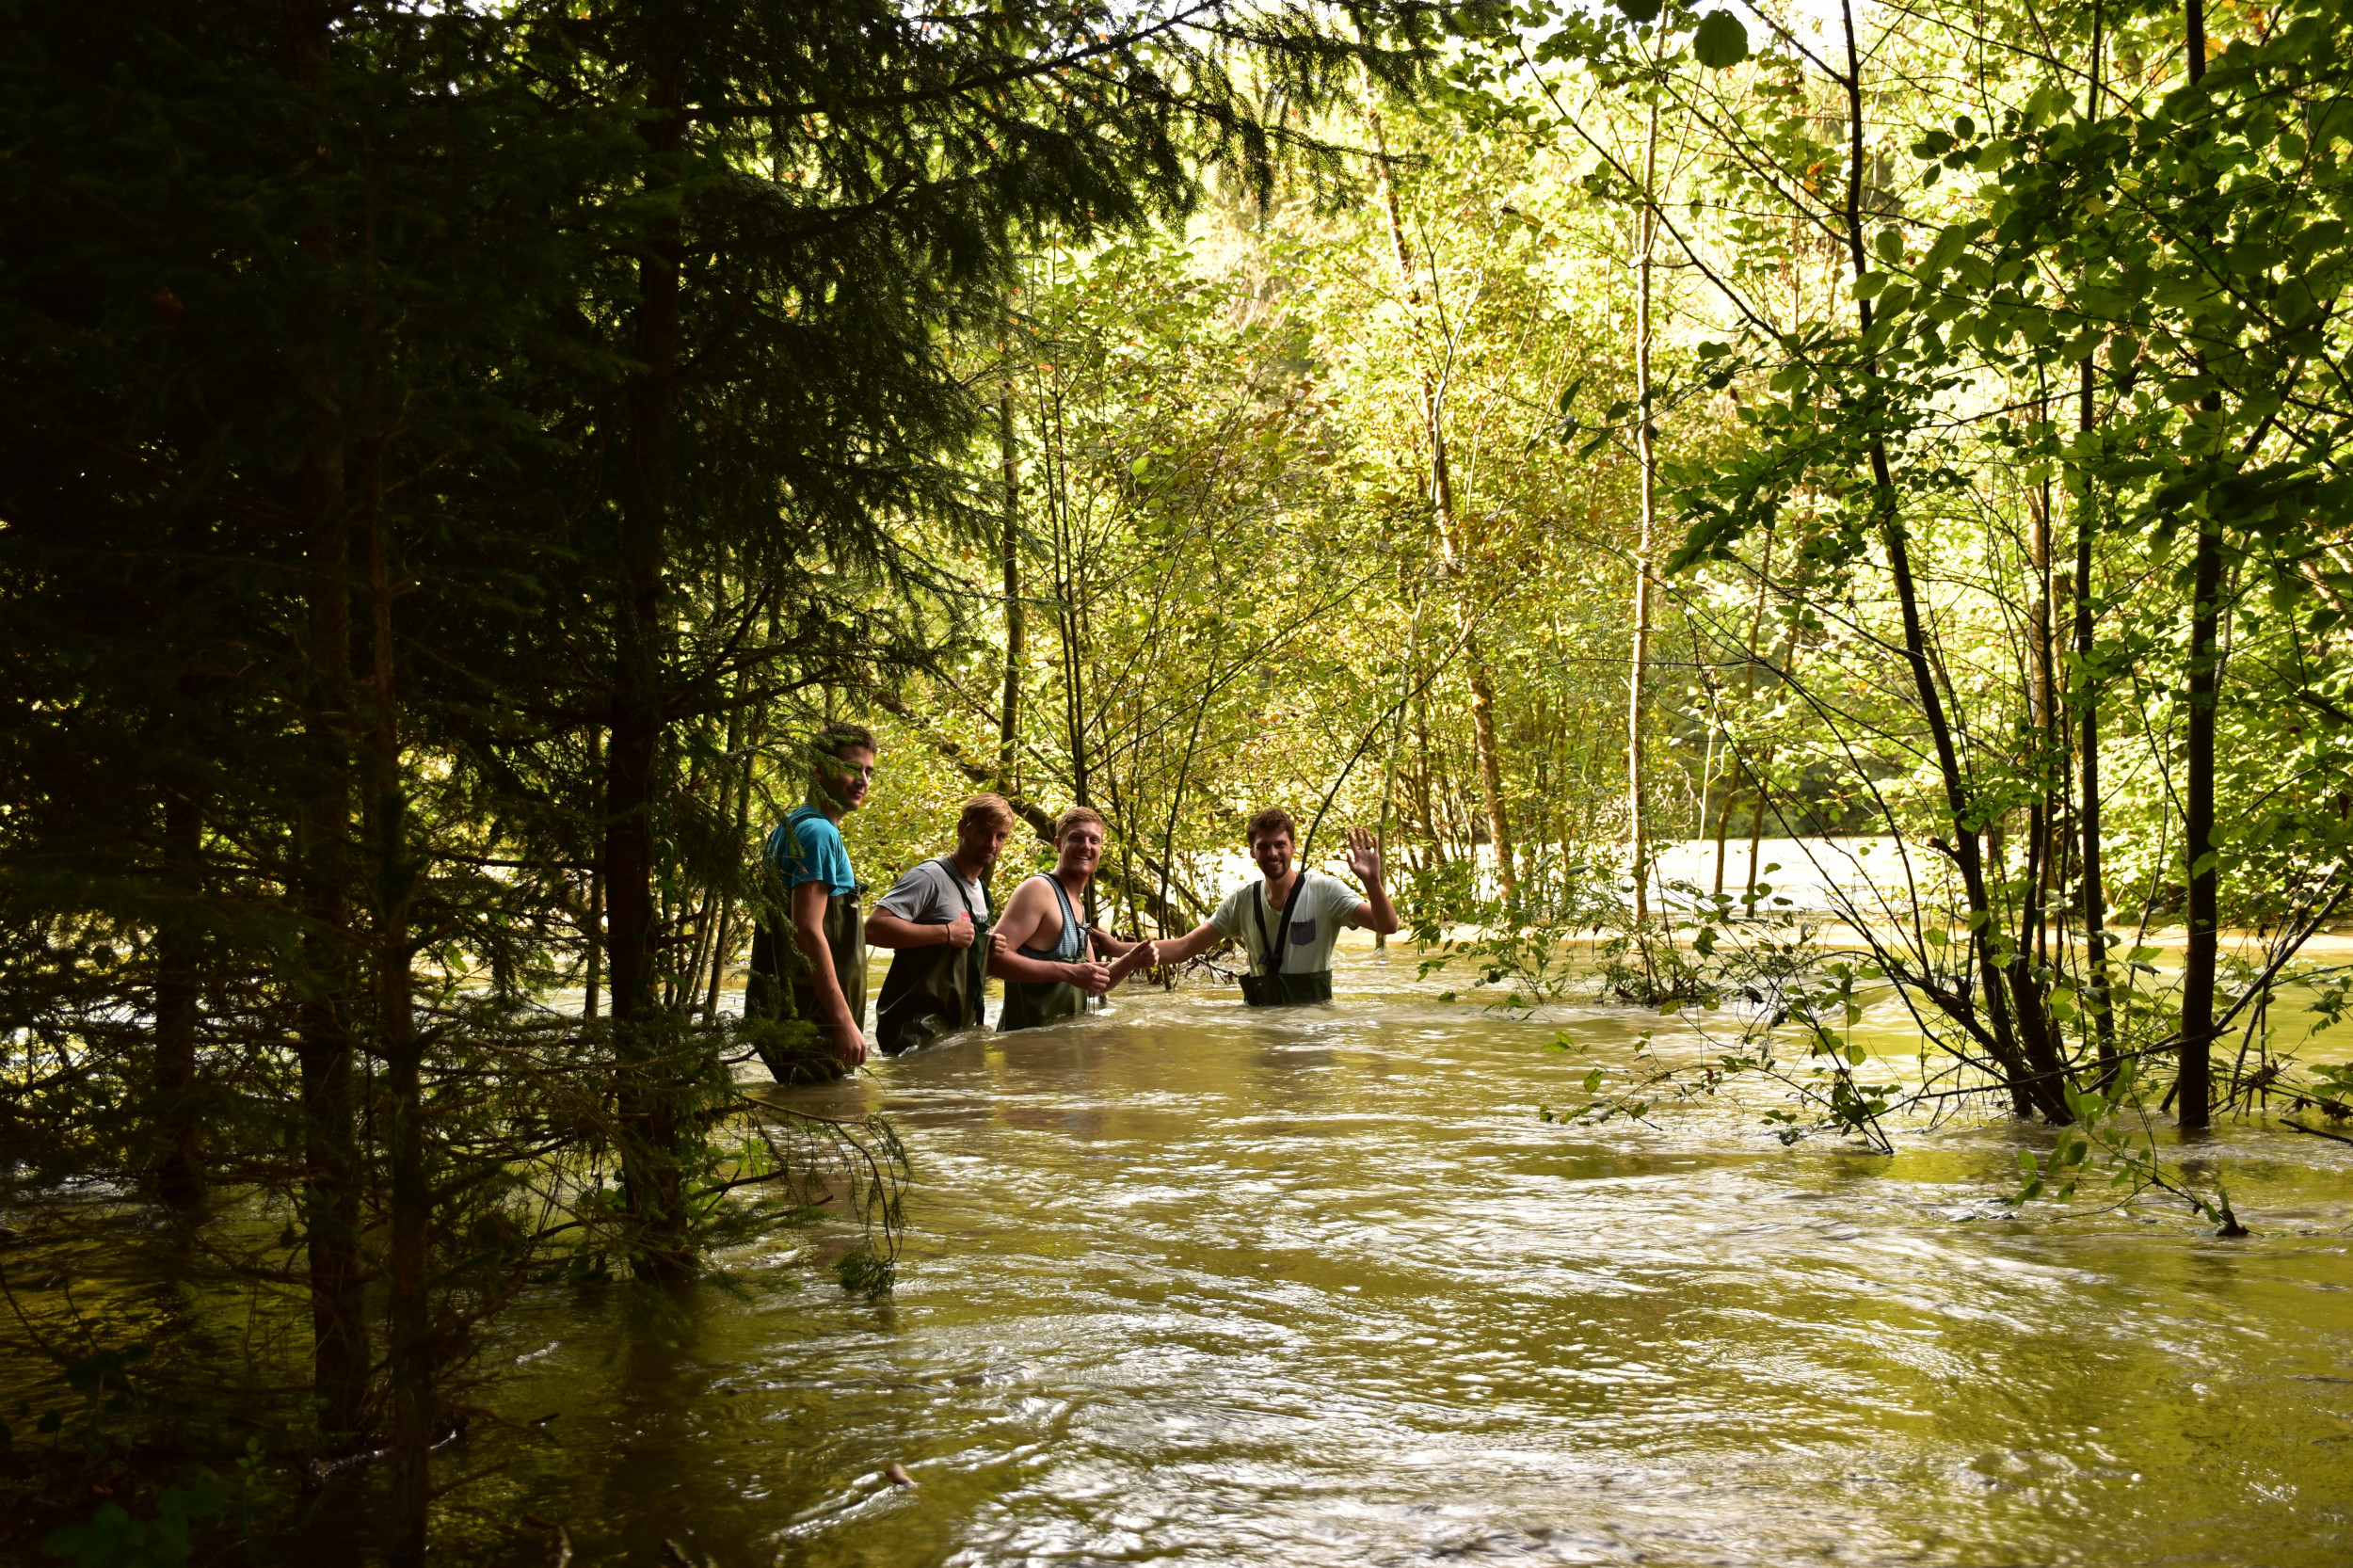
1029	1004
1274	988
779	971
931	992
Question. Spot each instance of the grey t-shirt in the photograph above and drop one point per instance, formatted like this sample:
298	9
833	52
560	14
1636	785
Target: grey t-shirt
927	895
1320	906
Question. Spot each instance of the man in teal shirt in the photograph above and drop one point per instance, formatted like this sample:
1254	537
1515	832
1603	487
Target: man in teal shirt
828	985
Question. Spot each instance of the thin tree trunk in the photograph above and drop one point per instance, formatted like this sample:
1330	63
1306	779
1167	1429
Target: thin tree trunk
323	1039
1016	614
1645	447
725	933
1411	668
2032	1085
2037	1027
340	1355
1068	587
1184	776
1451	539
1756	830
178	1165
2050	807
2087	740
595	933
649	1093
1748	694
2194	1108
410	1331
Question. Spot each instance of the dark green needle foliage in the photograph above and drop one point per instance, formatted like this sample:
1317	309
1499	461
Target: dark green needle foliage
447	456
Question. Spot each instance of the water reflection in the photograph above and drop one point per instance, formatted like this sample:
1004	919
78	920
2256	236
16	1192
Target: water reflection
1191	1285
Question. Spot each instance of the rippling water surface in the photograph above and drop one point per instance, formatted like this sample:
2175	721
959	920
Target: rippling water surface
1190	1284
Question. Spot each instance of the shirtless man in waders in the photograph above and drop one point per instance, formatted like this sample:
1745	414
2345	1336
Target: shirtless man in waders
828	986
934	917
1289	923
1042	950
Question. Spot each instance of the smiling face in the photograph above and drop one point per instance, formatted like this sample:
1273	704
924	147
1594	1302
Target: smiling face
1079	849
846	776
1271	854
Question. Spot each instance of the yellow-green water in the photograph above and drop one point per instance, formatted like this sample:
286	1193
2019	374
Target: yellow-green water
1190	1283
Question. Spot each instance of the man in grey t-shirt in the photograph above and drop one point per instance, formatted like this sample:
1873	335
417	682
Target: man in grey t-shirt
935	918
1287	923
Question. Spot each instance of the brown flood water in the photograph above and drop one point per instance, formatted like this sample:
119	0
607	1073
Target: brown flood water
1189	1284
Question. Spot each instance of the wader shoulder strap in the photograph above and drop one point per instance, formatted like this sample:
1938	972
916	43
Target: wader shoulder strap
976	957
1272	953
955	879
1073	935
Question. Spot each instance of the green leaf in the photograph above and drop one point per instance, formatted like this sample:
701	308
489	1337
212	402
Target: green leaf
1640	10
1720	41
1941	255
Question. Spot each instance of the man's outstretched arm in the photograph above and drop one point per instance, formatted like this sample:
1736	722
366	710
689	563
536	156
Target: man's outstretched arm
1193	944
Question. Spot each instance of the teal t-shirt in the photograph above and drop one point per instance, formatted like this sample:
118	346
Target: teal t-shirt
808	847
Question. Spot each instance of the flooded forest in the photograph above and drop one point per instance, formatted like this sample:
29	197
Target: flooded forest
1782	567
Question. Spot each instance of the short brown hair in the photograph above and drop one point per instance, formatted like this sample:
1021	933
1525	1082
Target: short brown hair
991	811
835	738
1269	823
1072	817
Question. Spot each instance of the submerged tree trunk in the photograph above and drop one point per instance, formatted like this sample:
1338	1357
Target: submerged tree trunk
649	1097
2033	1084
2194	1106
1450	542
323	1048
2027	962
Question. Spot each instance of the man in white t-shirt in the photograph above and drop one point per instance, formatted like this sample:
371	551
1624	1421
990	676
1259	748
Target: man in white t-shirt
1287	923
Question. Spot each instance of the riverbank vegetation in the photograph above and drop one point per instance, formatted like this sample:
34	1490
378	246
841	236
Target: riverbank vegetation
453	457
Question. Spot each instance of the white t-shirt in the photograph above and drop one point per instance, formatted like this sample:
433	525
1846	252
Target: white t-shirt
1319	906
